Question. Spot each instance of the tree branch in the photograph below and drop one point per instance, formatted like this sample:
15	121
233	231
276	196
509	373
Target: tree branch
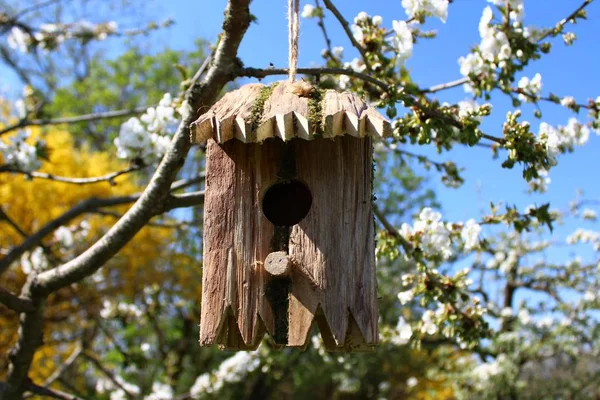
35	239
262	73
14	302
106	372
71	120
76	181
391	230
348	31
447	85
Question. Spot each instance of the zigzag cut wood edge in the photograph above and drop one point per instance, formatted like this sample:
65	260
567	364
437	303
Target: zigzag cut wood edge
256	112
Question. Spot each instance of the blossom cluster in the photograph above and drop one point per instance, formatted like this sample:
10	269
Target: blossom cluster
147	138
585	236
19	154
434	8
49	36
111	310
530	89
234	369
434	237
122	391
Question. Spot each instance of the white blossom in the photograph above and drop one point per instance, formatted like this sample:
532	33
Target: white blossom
338	51
429	326
19	154
589	296
361	17
356	65
18	39
377	20
402	41
160	391
402	333
232	370
64	236
470	234
412	382
435	8
494	44
406	296
524	316
434	235
308	11
184	110
506	312
34	261
532	88
344	82
585	236
147	137
568	101
471	64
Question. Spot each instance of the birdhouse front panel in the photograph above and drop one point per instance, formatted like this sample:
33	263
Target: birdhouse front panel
289	238
331	279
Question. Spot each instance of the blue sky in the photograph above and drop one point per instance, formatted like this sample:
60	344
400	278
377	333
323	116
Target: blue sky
566	71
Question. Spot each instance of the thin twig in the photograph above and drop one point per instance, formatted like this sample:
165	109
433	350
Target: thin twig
68	362
447	85
76	181
262	73
390	229
321	25
564	21
72	120
106	372
348	31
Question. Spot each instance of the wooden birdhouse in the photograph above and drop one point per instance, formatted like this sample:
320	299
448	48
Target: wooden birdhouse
289	236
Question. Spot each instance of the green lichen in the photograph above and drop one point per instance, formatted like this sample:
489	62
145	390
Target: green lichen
315	111
258	108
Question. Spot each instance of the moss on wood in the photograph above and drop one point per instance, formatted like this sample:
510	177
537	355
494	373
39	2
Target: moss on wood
315	111
259	105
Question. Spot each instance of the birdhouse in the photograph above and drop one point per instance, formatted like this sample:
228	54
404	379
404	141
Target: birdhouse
289	237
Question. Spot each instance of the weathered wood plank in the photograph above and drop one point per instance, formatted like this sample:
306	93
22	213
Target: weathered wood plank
331	250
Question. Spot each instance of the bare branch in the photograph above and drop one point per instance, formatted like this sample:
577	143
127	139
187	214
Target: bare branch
21	355
106	372
391	230
68	362
72	120
184	200
53	393
76	181
15	303
447	85
321	24
35	239
348	31
42	391
262	73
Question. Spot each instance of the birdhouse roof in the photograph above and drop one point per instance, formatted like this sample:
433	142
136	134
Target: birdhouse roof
287	110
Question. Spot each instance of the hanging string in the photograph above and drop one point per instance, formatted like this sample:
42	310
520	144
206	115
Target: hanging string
293	32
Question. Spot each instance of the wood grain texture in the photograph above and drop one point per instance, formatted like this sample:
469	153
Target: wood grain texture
332	249
286	115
